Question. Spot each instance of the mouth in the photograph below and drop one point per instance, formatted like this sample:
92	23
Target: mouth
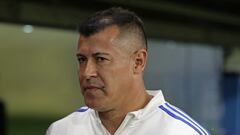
91	88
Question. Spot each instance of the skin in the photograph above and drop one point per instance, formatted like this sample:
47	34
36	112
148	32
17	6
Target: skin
111	75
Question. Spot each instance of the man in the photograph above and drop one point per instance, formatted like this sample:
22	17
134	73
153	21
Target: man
112	54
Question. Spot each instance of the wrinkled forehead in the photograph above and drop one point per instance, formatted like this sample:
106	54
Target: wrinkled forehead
103	42
107	35
109	38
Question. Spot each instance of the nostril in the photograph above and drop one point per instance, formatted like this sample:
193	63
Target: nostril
88	79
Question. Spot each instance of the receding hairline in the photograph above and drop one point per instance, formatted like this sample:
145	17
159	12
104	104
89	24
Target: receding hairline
128	37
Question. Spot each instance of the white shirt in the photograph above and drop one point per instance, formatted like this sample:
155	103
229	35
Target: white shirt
157	118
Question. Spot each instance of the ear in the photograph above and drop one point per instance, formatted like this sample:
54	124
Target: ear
140	61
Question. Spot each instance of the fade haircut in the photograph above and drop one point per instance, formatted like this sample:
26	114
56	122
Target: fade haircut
126	20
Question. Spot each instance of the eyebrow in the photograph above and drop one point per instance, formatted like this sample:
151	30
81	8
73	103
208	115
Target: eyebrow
95	54
79	55
100	53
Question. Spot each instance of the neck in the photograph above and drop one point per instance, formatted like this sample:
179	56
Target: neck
112	119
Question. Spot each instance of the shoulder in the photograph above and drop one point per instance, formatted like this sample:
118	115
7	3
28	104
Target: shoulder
79	115
179	122
59	127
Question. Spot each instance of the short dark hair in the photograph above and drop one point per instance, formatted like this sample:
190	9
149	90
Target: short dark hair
113	16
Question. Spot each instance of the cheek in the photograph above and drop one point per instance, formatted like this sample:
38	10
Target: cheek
119	77
80	76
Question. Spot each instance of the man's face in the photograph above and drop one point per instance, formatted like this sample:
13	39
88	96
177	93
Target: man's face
105	70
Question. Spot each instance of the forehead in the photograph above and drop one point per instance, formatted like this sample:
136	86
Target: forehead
102	39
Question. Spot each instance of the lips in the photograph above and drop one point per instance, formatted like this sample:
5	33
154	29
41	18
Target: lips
91	85
90	88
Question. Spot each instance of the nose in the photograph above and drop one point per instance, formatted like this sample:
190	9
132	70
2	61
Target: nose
90	69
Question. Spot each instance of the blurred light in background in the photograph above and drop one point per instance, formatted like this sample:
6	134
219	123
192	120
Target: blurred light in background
28	28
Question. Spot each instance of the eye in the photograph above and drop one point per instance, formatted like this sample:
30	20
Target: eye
101	59
81	60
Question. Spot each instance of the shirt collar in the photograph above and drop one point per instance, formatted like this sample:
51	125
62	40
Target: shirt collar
157	100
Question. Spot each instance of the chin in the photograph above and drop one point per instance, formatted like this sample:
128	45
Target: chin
93	104
97	107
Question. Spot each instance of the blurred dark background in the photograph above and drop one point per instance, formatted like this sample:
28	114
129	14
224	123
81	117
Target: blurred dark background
194	57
